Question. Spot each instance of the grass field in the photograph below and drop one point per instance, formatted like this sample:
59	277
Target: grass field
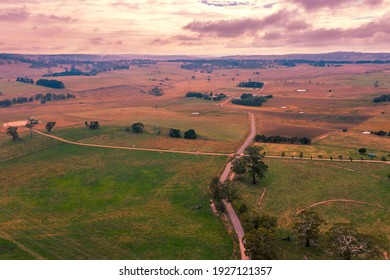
68	202
293	185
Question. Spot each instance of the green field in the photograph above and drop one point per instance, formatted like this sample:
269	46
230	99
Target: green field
60	201
292	185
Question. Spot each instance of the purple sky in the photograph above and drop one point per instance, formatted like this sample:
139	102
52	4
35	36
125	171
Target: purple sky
194	27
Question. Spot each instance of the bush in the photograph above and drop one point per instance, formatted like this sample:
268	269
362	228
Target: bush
137	127
362	150
174	133
190	134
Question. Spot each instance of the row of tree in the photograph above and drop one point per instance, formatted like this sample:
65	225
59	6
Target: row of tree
251	84
207	96
343	241
139	127
282	139
25	80
42	97
50	83
189	134
30	124
381	133
382	98
248	99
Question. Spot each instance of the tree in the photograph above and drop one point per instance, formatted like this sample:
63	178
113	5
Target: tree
190	134
13	131
238	166
260	243
307	226
346	243
254	162
218	194
362	150
174	133
252	221
49	126
31	122
93	125
138	127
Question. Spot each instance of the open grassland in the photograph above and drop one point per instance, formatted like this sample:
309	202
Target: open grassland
345	144
293	185
60	201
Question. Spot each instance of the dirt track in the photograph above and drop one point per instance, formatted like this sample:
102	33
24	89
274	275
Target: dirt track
129	148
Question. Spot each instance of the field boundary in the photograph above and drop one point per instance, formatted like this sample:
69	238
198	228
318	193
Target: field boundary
340	200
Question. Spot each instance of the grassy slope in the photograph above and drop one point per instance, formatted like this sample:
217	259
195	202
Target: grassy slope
293	185
69	202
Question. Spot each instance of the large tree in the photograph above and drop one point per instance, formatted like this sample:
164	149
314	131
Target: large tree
307	226
190	134
13	131
346	243
260	243
174	133
238	166
252	221
138	127
49	126
254	161
31	122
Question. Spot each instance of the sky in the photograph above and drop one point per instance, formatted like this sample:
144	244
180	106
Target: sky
194	27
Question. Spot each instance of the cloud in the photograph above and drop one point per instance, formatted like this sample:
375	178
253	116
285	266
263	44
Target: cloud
224	3
370	32
237	27
318	4
131	6
55	18
270	5
96	40
14	15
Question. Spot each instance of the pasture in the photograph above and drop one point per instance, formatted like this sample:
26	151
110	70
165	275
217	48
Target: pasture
61	201
292	185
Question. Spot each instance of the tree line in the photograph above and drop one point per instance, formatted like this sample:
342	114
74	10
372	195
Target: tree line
42	97
381	133
139	127
248	99
50	83
250	84
282	139
382	98
25	80
206	96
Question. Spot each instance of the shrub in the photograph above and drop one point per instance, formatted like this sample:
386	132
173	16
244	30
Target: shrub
190	134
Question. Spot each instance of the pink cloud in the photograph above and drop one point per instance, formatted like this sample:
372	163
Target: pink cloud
237	27
14	15
317	4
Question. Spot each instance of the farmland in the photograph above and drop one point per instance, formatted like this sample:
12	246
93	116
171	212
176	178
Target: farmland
292	185
61	201
67	202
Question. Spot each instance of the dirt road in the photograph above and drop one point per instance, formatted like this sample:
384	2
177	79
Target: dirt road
129	148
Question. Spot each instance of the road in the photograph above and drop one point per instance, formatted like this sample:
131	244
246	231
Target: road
129	148
225	174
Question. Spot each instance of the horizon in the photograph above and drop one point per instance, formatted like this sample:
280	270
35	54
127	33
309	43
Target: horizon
194	27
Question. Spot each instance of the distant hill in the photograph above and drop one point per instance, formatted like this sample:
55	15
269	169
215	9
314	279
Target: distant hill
342	56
